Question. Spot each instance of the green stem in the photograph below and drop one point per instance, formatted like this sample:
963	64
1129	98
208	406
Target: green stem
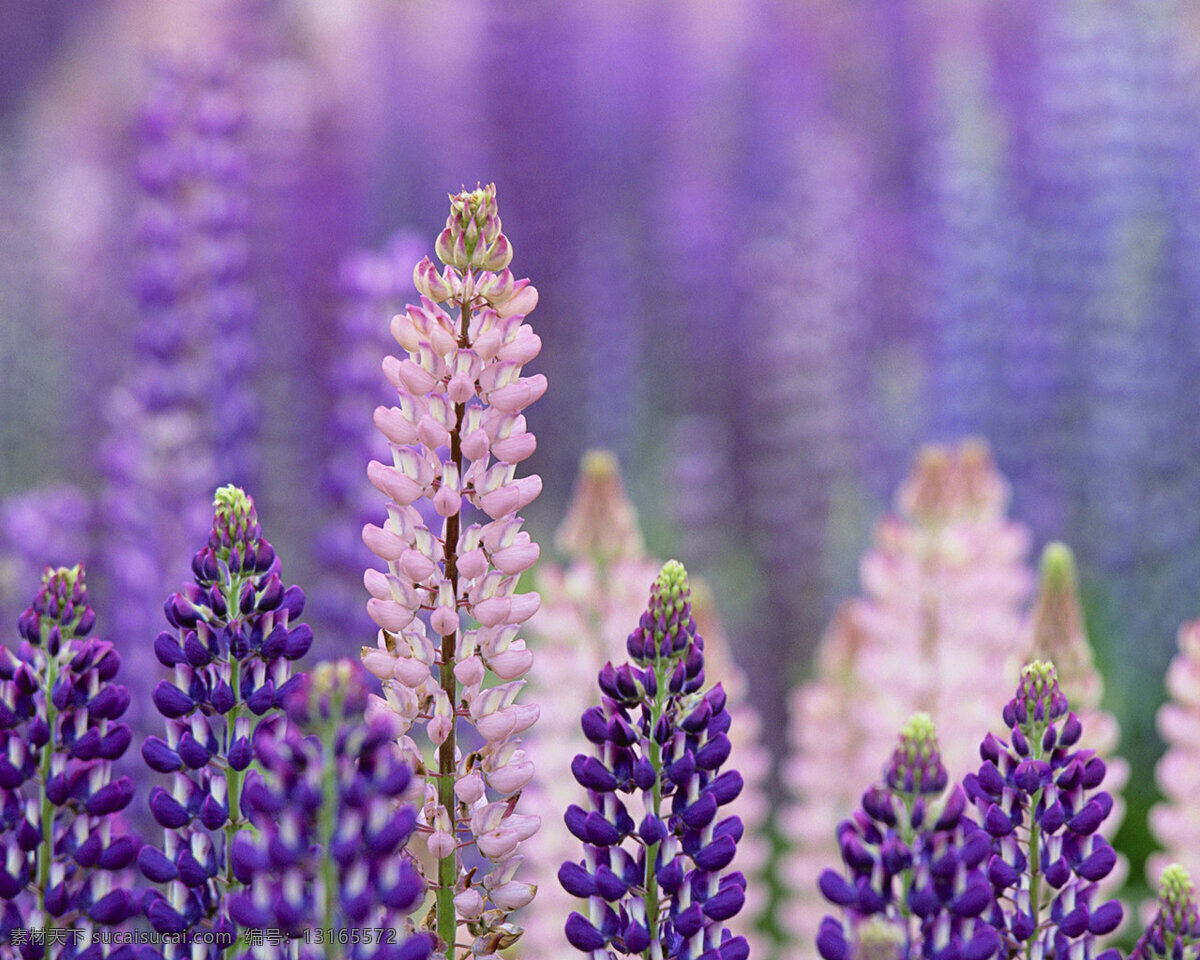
447	920
1034	735
662	674
233	779
46	848
327	822
1035	871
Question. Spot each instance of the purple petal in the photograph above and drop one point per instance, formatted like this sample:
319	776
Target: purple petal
726	903
582	935
836	889
576	880
1106	918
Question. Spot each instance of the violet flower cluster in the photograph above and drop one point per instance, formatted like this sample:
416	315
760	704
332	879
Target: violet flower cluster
456	437
657	886
331	829
587	607
1038	796
915	882
230	656
1174	931
65	850
1057	634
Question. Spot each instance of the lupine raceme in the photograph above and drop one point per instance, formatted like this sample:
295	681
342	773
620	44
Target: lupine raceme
657	886
235	638
587	607
331	831
1174	931
65	849
1038	797
914	882
1057	633
447	606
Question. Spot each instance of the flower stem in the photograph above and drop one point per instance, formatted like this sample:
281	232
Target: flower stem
329	803
662	671
1035	870
447	921
46	848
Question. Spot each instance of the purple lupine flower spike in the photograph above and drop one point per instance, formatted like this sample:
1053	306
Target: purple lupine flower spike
1040	801
231	660
65	847
659	884
1174	933
914	884
583	623
329	854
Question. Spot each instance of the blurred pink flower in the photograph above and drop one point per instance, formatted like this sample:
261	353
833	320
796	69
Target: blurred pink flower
945	587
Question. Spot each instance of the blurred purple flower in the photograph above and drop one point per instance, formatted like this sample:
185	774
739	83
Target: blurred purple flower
374	287
47	526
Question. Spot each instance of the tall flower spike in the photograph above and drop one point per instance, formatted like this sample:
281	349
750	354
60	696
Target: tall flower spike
64	844
914	882
582	624
1039	800
1057	634
230	657
1174	933
657	886
329	855
447	606
1176	822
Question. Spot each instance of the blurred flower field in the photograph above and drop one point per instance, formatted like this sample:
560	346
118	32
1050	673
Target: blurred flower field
872	306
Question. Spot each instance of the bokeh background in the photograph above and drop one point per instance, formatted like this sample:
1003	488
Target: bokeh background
779	246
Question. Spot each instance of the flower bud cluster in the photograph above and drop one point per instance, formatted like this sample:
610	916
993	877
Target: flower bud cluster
230	659
1057	634
472	238
1174	933
915	881
1039	800
454	548
657	883
331	828
65	848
